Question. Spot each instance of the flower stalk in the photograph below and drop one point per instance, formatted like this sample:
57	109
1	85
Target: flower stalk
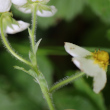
40	77
65	82
44	88
34	17
14	27
7	45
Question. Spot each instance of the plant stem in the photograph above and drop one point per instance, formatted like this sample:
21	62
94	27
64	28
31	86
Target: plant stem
34	17
45	91
64	82
41	79
7	45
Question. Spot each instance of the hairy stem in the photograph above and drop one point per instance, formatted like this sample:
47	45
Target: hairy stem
45	91
41	79
7	45
64	82
34	17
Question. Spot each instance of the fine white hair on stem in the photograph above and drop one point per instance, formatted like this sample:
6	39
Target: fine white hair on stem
11	48
5	5
65	78
35	26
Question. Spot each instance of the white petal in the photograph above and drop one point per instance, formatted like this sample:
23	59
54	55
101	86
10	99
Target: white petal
42	0
99	82
76	62
87	66
75	50
45	13
36	0
46	0
22	26
24	10
5	5
91	69
19	2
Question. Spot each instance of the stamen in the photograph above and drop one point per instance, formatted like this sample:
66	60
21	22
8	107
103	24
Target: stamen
101	58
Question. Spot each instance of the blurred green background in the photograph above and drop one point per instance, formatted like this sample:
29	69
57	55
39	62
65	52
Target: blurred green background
82	22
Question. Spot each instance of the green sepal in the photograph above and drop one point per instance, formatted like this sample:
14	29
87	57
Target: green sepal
8	20
37	45
15	22
30	32
44	7
88	57
27	5
32	58
21	68
32	73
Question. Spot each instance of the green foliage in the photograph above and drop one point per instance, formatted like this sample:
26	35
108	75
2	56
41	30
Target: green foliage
96	99
15	101
69	99
81	95
83	22
101	8
69	9
22	92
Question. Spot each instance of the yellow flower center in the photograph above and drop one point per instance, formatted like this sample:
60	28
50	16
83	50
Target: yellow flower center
101	58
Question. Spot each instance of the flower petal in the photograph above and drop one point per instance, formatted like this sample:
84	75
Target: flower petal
42	0
91	69
99	82
19	2
88	66
45	13
5	5
17	28
75	50
46	0
24	10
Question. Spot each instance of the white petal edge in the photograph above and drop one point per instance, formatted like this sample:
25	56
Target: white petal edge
22	26
99	82
19	2
76	62
45	13
88	66
36	0
75	50
46	0
24	10
5	5
93	70
42	0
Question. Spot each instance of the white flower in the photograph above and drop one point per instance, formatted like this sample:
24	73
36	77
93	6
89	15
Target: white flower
10	25
43	10
93	64
17	28
5	5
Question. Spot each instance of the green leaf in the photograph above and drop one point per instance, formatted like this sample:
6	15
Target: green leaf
101	8
23	83
69	99
15	101
20	68
32	73
32	58
36	46
108	34
84	88
67	9
30	33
